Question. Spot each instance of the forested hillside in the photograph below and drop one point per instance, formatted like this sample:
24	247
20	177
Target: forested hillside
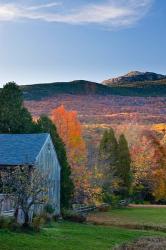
80	87
124	86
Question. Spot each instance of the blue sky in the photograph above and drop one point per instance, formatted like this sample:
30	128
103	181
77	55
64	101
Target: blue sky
63	40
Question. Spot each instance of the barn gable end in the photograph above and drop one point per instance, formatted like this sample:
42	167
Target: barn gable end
47	161
37	151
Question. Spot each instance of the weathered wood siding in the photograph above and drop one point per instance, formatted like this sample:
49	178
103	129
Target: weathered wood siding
47	161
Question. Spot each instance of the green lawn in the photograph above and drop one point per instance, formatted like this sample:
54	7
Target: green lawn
70	236
132	216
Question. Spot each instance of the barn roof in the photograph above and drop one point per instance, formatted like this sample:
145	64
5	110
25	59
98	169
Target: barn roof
20	149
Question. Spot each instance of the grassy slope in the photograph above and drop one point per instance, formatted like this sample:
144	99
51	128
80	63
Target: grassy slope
70	236
133	216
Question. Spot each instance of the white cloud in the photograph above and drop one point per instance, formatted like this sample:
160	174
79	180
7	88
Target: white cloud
113	13
8	12
43	6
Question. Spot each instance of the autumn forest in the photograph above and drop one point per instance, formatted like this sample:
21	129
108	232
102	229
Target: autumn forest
106	136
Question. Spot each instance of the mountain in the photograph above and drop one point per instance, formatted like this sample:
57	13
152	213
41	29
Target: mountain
132	84
134	78
78	87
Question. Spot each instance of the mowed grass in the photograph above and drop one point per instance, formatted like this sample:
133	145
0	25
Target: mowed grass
132	216
70	236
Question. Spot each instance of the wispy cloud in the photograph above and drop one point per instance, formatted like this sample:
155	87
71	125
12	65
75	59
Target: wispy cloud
43	6
113	13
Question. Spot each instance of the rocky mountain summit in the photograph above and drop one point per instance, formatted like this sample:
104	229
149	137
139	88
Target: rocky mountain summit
135	76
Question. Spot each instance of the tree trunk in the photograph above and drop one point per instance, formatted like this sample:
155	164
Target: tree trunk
26	219
16	214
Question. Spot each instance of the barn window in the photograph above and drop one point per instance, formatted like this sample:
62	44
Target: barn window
49	147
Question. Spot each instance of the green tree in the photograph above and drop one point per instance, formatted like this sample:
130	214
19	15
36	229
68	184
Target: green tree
107	163
44	124
108	150
14	117
124	167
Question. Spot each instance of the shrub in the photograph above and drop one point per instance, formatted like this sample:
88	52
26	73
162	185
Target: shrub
9	223
13	225
73	216
103	208
48	214
37	223
47	218
49	209
4	222
115	201
55	217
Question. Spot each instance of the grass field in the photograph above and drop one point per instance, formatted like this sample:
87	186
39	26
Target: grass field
70	236
155	217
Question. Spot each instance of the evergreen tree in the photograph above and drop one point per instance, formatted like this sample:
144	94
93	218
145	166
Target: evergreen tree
14	117
108	150
108	158
44	124
124	166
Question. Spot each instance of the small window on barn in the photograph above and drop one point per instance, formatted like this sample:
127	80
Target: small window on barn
49	147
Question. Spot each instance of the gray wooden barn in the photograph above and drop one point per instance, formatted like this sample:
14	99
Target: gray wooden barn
33	150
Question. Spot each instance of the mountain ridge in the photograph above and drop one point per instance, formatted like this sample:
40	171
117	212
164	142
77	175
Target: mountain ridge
135	84
76	87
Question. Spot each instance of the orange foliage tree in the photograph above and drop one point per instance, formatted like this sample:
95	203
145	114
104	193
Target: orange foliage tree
70	130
